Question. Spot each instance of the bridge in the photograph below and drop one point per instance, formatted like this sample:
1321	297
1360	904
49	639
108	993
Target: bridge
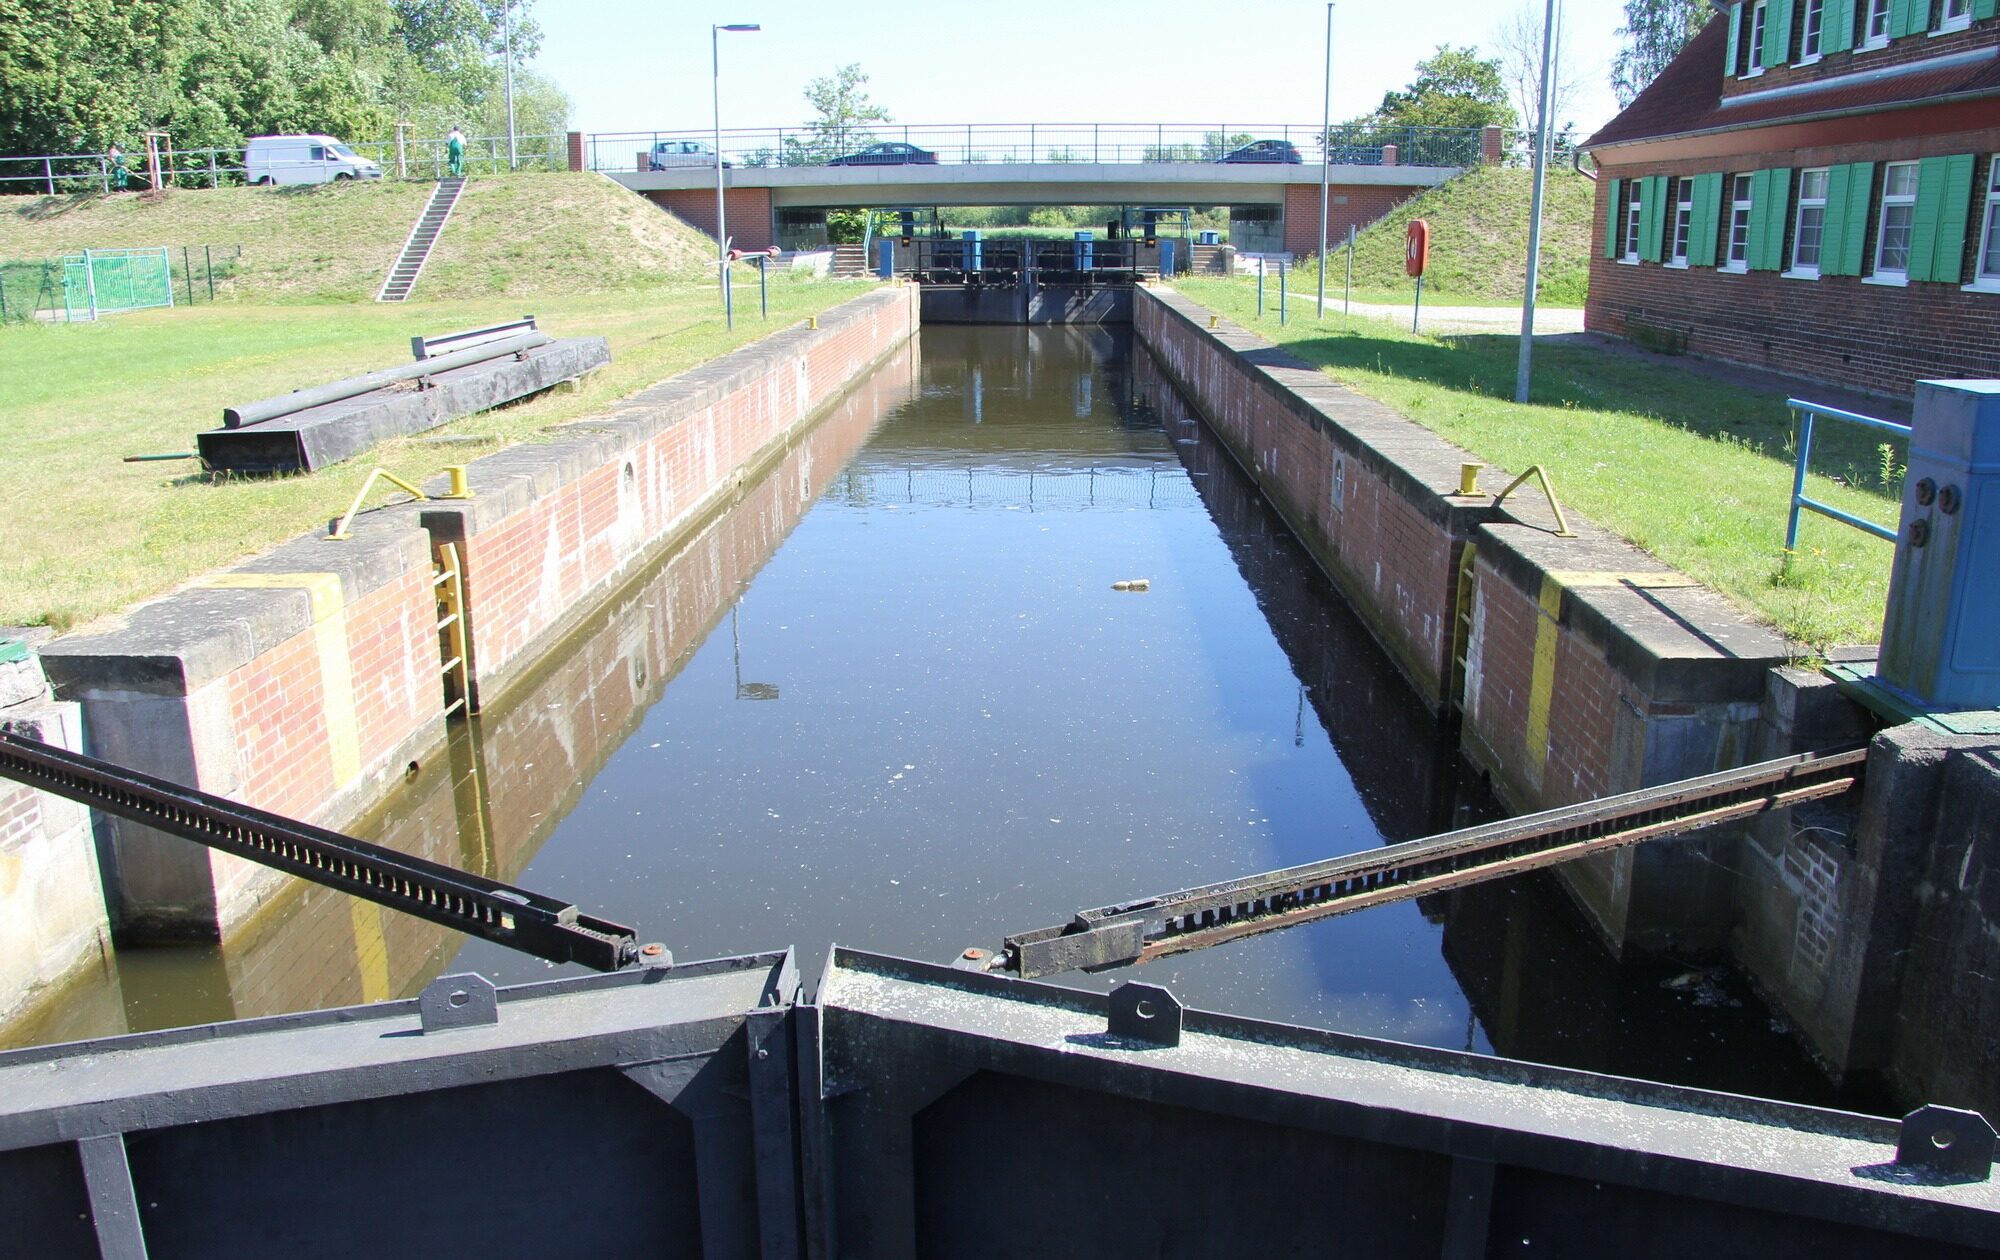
780	182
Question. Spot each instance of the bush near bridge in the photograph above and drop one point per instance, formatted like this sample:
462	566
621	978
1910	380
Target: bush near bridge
1479	240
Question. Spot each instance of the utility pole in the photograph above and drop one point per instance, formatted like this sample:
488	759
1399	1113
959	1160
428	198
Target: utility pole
507	43
1325	157
1525	369
715	82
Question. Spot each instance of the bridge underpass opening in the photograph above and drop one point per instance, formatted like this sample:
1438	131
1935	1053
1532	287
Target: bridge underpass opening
891	695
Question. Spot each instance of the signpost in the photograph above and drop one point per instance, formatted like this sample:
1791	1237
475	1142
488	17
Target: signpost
1417	260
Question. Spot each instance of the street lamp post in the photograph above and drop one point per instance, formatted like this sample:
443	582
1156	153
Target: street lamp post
1525	368
1325	157
721	232
507	44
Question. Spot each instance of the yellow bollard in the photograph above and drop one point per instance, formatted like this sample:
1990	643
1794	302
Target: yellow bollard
812	321
1468	481
1213	321
459	488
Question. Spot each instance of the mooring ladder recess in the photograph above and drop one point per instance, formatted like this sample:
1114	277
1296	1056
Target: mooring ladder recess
448	579
530	922
1195	918
416	251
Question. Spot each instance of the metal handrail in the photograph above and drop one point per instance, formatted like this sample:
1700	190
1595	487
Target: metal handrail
1807	413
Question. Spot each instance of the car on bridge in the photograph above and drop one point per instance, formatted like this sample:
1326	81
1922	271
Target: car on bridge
888	153
1283	151
668	154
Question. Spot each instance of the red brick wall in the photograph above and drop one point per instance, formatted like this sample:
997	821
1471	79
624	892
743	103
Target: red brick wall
1837	329
576	159
748	211
1364	204
529	573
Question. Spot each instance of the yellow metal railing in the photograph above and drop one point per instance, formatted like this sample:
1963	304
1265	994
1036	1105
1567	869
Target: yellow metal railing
457	489
1539	473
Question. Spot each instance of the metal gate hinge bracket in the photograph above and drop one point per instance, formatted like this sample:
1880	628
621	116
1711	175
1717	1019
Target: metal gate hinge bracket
467	1001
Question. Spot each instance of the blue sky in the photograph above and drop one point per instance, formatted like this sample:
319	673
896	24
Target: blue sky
632	66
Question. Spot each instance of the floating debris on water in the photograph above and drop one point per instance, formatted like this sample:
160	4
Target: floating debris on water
1136	584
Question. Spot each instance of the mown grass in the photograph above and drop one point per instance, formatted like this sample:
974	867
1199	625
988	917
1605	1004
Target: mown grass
83	534
1479	242
1695	472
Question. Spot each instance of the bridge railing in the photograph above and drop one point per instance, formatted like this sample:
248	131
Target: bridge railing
1009	143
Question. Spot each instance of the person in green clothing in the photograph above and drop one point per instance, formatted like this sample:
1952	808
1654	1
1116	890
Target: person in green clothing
120	176
454	147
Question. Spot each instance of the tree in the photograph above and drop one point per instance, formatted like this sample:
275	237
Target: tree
843	111
1454	88
1654	31
1518	43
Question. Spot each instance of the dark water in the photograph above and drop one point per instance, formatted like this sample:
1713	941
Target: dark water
891	699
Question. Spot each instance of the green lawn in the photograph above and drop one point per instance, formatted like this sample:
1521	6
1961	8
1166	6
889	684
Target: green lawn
1695	472
83	534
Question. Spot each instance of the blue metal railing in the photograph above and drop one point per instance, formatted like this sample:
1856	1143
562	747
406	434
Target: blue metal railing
1808	412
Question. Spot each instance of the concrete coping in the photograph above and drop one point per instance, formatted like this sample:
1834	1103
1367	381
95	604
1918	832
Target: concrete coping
510	480
221	621
1663	630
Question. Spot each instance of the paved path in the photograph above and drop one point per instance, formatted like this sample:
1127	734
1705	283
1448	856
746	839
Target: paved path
1487	319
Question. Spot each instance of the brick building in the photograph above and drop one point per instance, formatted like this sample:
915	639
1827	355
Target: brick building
1811	187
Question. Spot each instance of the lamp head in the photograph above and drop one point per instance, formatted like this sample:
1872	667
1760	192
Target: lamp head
739	26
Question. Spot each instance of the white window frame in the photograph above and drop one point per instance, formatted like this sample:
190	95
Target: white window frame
1756	40
1683	203
1634	203
1801	204
1876	14
1882	273
1739	210
1813	33
1987	279
1949	21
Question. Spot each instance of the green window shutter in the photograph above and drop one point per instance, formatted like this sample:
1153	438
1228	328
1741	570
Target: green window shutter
1771	195
1653	230
1955	209
1929	210
1707	220
1860	197
1833	232
1985	8
1837	27
1613	219
1907	17
1777	33
1735	35
1760	205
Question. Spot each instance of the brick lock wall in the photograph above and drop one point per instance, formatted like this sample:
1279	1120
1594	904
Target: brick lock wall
1837	329
1348	205
748	211
530	573
52	919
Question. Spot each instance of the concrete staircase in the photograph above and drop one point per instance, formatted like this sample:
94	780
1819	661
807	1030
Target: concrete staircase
417	249
850	262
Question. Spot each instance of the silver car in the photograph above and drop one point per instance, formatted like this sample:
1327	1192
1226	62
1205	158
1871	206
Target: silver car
668	154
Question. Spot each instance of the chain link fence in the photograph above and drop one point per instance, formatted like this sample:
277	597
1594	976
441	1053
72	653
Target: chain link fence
79	287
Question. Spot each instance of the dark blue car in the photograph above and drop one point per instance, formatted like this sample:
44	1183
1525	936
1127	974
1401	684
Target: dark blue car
888	153
1282	151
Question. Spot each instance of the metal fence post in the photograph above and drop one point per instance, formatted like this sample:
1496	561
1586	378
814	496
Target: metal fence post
1260	286
1281	293
214	176
208	270
103	172
1799	479
49	174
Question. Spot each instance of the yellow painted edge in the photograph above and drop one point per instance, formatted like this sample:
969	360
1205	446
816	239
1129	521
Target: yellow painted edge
336	668
1654	580
1542	688
371	951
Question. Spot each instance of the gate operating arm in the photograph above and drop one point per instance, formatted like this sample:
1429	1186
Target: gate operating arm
1195	918
486	908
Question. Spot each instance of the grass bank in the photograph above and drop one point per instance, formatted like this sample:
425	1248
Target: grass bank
1479	242
83	534
1695	472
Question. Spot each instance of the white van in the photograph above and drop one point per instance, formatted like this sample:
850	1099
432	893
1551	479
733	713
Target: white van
303	160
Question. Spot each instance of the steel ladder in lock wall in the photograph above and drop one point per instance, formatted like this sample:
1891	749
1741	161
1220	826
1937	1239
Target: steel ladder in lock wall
423	236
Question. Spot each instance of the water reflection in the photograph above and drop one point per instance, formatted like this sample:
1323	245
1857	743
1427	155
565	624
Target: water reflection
933	721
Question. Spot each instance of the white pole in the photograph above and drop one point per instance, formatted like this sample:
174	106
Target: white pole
715	84
1524	371
1325	159
507	36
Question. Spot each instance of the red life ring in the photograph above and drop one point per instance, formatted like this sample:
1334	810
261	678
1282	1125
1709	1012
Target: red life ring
1417	257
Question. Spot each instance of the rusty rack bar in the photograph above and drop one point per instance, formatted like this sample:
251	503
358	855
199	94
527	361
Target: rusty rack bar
486	908
1195	918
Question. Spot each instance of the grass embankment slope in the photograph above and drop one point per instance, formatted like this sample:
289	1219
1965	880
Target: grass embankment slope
1479	241
83	534
1697	472
515	235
